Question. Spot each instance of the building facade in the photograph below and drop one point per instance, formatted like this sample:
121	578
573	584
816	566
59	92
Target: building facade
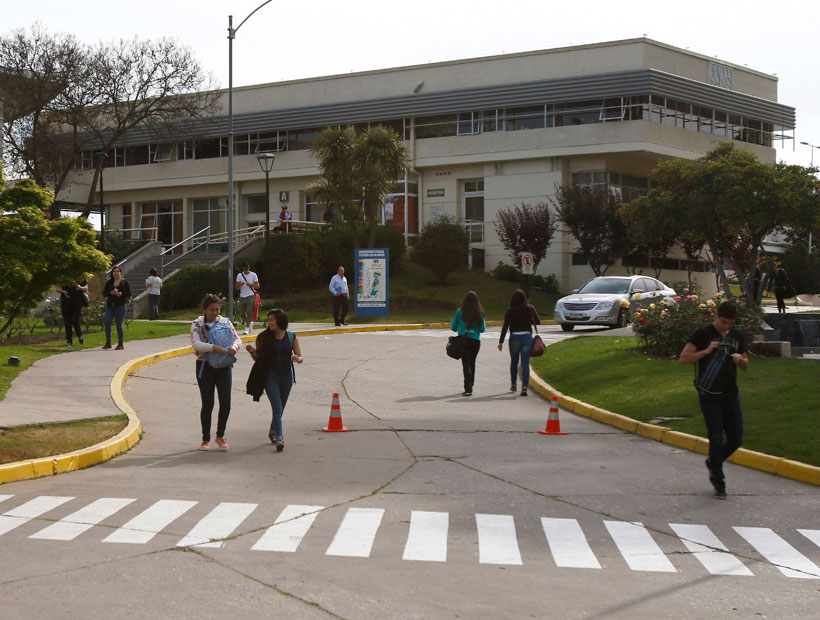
483	134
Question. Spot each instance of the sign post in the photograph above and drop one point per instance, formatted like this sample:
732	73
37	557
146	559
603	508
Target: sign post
372	292
527	269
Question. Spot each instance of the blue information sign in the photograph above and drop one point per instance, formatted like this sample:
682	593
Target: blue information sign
371	293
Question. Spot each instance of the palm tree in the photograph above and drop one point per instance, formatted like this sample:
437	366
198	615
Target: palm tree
356	171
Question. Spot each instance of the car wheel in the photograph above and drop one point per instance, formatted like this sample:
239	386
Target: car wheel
621	319
567	327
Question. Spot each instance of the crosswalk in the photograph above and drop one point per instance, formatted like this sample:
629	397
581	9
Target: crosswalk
428	535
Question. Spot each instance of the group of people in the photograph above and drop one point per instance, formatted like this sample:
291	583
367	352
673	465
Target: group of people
216	344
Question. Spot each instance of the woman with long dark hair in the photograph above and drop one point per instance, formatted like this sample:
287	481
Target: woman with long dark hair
468	321
519	319
117	293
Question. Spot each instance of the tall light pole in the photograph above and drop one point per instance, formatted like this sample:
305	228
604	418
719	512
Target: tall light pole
812	146
266	163
101	157
231	36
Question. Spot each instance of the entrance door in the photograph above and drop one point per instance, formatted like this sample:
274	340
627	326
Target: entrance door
166	216
472	212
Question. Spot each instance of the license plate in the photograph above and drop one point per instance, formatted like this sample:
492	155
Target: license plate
575	316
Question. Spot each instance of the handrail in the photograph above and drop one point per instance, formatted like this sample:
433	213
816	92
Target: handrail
184	241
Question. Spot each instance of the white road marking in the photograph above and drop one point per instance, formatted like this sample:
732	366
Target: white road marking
568	544
75	524
638	548
356	534
150	522
786	558
709	551
497	543
289	529
427	538
5	497
812	535
217	524
30	510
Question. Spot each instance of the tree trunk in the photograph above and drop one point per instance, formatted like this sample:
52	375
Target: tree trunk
92	191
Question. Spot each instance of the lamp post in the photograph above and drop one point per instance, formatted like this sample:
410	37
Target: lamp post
101	157
812	146
266	163
231	36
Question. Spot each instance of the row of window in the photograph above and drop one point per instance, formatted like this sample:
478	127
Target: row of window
626	186
653	108
638	261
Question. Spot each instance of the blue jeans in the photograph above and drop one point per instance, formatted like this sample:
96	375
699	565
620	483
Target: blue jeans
520	346
114	313
219	378
278	389
722	416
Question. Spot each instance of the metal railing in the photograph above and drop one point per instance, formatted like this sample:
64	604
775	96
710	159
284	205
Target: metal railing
194	245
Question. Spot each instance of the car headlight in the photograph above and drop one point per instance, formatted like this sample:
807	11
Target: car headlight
559	304
605	305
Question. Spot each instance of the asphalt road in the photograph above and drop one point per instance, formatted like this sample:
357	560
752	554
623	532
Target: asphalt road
432	506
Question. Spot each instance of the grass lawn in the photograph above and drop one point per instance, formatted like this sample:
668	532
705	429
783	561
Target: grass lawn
414	298
39	440
778	395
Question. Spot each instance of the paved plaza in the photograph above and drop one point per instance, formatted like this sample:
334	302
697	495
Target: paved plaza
432	506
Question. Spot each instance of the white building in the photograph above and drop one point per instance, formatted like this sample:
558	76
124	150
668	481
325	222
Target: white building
483	134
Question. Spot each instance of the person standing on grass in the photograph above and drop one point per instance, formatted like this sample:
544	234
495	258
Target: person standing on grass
153	284
468	321
781	285
338	288
72	300
719	350
208	377
275	352
519	319
117	293
247	282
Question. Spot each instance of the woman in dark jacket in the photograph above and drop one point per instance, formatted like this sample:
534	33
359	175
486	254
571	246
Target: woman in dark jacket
117	293
276	350
519	319
72	300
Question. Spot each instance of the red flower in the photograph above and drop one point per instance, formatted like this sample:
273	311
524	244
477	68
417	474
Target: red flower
641	320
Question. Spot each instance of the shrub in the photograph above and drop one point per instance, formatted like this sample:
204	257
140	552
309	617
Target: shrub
442	247
507	273
294	263
547	285
189	285
393	239
664	329
803	268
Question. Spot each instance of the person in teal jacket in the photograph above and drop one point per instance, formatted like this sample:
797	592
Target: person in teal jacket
469	323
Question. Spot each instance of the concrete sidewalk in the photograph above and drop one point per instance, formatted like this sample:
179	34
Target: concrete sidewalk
76	384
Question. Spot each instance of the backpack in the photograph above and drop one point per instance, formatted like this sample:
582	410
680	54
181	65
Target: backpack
705	381
220	334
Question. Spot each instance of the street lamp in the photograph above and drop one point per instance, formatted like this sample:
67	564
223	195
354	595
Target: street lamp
813	146
101	156
231	36
266	163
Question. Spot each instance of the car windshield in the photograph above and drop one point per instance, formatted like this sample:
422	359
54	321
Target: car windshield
606	286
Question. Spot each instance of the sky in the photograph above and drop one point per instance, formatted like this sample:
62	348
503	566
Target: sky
295	40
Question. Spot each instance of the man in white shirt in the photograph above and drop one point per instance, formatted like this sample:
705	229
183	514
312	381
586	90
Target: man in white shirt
338	288
247	283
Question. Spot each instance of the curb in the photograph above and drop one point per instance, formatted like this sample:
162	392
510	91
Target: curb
128	437
777	465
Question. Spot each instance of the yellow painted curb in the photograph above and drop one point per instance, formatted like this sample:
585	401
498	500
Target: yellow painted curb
130	435
749	458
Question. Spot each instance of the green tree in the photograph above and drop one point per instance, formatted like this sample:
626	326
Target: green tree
591	215
357	171
732	201
526	228
38	252
442	247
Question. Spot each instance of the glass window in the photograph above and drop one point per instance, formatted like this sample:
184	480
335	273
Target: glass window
719	128
735	129
437	126
578	259
205	149
136	155
268	142
751	131
161	152
704	119
126	221
489	121
670	112
525	118
396	125
256	204
578	113
301	139
612	109
469	123
313	211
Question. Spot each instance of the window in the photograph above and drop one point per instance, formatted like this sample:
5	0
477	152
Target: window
578	259
704	119
469	123
206	149
136	155
577	113
126	221
612	109
473	210
302	138
437	126
211	212
313	211
719	128
257	204
269	142
161	152
492	120
398	125
185	150
532	117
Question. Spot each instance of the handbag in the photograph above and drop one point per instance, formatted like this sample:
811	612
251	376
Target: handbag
454	347
538	346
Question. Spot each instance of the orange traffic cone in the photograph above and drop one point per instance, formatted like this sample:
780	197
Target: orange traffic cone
553	423
334	424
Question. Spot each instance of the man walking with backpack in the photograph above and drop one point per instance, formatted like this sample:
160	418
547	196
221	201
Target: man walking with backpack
247	283
719	350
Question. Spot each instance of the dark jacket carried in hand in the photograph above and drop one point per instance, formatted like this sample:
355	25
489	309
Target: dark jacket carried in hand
265	350
114	300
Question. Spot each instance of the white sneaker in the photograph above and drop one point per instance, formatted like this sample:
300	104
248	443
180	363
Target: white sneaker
246	331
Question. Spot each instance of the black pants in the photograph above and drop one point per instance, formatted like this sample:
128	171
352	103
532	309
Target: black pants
219	378
71	318
340	307
781	302
722	416
469	347
153	307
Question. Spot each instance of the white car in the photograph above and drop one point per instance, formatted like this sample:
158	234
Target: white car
598	302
